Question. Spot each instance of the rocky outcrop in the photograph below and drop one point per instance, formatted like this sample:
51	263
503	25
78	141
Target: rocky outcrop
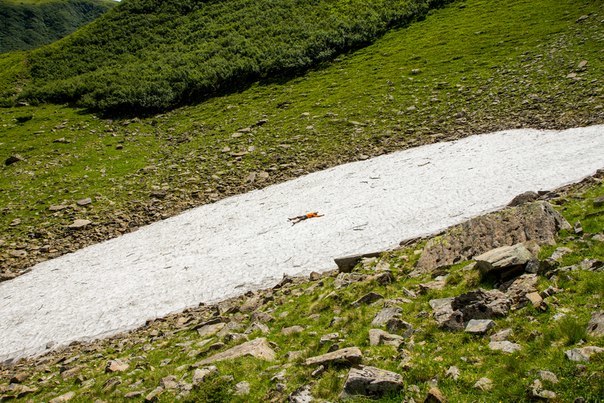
536	221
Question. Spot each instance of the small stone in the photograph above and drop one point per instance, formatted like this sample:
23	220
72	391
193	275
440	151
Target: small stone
378	337
133	395
242	389
301	395
502	335
154	394
598	201
58	207
548	376
435	396
13	159
479	326
77	224
484	384
504	346
535	299
582	18
116	366
578	228
595	327
199	375
63	398
169	382
583	354
582	64
84	202
452	372
329	338
314	276
288	331
368	299
15	222
385	315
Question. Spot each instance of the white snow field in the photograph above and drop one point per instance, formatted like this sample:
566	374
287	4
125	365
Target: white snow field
246	242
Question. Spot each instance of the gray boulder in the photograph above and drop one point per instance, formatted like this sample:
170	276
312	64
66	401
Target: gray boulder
595	327
583	353
345	356
504	262
479	326
371	381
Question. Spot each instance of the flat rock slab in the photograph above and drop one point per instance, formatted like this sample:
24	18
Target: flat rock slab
346	356
371	381
258	348
245	242
503	258
479	326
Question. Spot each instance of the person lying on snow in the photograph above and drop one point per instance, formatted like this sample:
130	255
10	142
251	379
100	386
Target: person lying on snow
296	220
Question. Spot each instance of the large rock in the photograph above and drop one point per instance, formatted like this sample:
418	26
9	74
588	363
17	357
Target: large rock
536	221
583	353
345	356
378	337
504	262
347	263
371	381
479	326
595	326
444	314
258	348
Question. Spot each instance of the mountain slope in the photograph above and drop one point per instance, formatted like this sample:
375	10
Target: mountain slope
151	55
29	24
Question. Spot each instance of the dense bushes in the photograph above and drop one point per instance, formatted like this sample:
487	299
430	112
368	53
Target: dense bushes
26	25
150	55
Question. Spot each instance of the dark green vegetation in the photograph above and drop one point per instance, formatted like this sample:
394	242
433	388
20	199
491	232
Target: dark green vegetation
469	68
27	24
171	346
151	55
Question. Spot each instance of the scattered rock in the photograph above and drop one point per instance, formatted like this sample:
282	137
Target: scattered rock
578	228
479	326
484	384
301	395
242	389
77	224
452	372
288	331
444	314
504	346
435	396
134	395
84	202
116	366
63	398
583	353
13	159
536	391
502	335
523	198
369	298
598	201
536	300
345	356
371	381
210	329
169	382
582	18
347	263
154	394
19	377
548	376
378	337
595	327
199	375
57	207
537	221
314	276
258	348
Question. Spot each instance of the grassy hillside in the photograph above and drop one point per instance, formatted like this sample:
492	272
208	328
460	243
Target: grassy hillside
468	68
151	55
162	360
30	24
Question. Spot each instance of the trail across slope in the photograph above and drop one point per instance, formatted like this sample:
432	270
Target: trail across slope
245	242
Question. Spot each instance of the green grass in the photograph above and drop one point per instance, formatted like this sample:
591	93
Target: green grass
483	65
163	349
33	23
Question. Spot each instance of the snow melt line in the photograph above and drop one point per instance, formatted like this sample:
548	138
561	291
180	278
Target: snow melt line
245	242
